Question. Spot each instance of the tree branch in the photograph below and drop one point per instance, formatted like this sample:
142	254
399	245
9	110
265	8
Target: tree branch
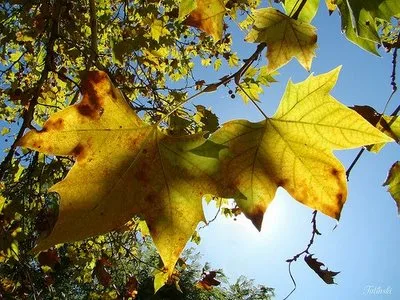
49	66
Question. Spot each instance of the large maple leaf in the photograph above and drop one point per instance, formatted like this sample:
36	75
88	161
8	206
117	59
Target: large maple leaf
123	168
285	37
293	149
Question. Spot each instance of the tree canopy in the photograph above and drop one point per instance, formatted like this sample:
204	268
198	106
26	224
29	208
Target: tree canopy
103	144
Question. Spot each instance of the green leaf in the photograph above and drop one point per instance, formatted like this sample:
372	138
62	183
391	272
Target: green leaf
293	149
359	20
160	279
308	11
186	7
393	183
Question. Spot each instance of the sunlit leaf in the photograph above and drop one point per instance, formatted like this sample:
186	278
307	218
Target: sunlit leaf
307	12
293	149
393	183
359	19
208	16
186	7
123	168
285	38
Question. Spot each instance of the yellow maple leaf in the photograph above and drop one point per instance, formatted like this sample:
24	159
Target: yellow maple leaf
293	149
285	38
208	16
123	168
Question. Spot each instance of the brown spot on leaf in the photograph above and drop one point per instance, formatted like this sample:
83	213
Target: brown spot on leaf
340	198
334	172
256	216
92	104
57	124
96	76
80	152
282	182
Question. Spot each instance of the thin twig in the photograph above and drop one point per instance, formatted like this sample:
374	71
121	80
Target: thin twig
215	217
305	251
354	162
253	101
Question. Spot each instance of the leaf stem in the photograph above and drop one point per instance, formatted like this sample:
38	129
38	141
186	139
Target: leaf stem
354	163
297	12
253	101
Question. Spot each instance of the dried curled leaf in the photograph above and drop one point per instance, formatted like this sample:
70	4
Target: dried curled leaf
389	125
208	281
316	266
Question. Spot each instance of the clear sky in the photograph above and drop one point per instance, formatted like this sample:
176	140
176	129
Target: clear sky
366	243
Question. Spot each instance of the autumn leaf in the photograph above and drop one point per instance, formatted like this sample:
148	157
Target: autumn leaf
359	19
123	168
389	125
49	258
316	266
393	183
285	37
293	149
208	281
101	272
208	15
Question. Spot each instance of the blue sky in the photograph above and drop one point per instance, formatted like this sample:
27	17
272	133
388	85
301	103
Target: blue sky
365	245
